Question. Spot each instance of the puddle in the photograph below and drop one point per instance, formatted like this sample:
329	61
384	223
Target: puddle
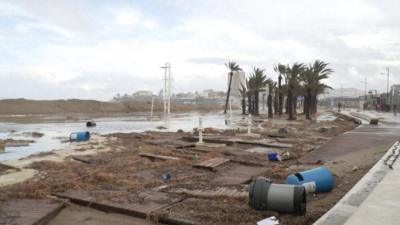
326	117
54	131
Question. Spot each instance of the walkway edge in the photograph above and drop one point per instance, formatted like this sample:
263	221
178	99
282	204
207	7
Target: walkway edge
348	205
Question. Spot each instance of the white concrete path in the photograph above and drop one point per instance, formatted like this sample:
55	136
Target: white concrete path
374	200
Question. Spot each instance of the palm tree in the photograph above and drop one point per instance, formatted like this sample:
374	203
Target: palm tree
276	101
233	67
292	75
320	72
311	78
256	83
271	85
307	80
243	93
259	83
281	70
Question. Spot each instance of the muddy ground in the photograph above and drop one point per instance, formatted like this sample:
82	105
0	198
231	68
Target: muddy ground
121	175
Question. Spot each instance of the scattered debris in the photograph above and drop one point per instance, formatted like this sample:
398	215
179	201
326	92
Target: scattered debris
355	168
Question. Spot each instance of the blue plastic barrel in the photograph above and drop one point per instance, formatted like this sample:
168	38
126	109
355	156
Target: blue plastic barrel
79	136
273	156
322	177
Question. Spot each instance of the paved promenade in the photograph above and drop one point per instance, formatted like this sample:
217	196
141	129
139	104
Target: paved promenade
375	199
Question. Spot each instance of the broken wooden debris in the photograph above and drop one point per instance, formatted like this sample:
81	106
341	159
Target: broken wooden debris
162	157
147	202
29	211
211	164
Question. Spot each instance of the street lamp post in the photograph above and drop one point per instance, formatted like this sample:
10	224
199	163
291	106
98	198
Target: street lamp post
387	88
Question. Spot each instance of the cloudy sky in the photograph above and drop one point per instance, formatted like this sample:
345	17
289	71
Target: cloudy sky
51	49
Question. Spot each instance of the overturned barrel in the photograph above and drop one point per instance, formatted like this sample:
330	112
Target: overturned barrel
79	136
90	124
264	195
321	176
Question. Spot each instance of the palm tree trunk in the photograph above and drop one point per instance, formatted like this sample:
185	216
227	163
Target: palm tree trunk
256	101
276	102
308	108
229	91
269	102
243	105
250	103
290	105
295	105
287	104
315	103
280	108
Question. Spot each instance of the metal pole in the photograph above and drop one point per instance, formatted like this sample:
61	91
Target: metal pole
249	124
200	130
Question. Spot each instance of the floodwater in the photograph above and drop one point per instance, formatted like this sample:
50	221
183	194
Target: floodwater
55	132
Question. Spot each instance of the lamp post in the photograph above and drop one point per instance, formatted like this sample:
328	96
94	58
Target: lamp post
387	88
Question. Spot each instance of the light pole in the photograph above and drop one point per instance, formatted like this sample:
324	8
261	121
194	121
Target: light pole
387	88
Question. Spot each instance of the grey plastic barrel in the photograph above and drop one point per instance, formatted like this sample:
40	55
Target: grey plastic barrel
264	195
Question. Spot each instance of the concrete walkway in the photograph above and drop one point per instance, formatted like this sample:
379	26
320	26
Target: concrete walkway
375	199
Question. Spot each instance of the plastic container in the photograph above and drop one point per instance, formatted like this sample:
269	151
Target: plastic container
90	124
79	136
166	176
273	156
322	177
264	195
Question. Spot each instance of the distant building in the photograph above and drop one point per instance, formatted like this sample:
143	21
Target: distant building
238	82
210	93
142	93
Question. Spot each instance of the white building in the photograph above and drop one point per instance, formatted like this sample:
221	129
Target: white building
238	81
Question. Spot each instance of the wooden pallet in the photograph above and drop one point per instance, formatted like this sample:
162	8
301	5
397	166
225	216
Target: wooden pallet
211	164
29	211
239	175
145	204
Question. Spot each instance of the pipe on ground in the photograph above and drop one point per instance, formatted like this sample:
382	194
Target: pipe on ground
264	195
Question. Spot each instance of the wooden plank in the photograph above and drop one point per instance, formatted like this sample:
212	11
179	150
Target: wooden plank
162	157
29	211
211	164
139	205
239	175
